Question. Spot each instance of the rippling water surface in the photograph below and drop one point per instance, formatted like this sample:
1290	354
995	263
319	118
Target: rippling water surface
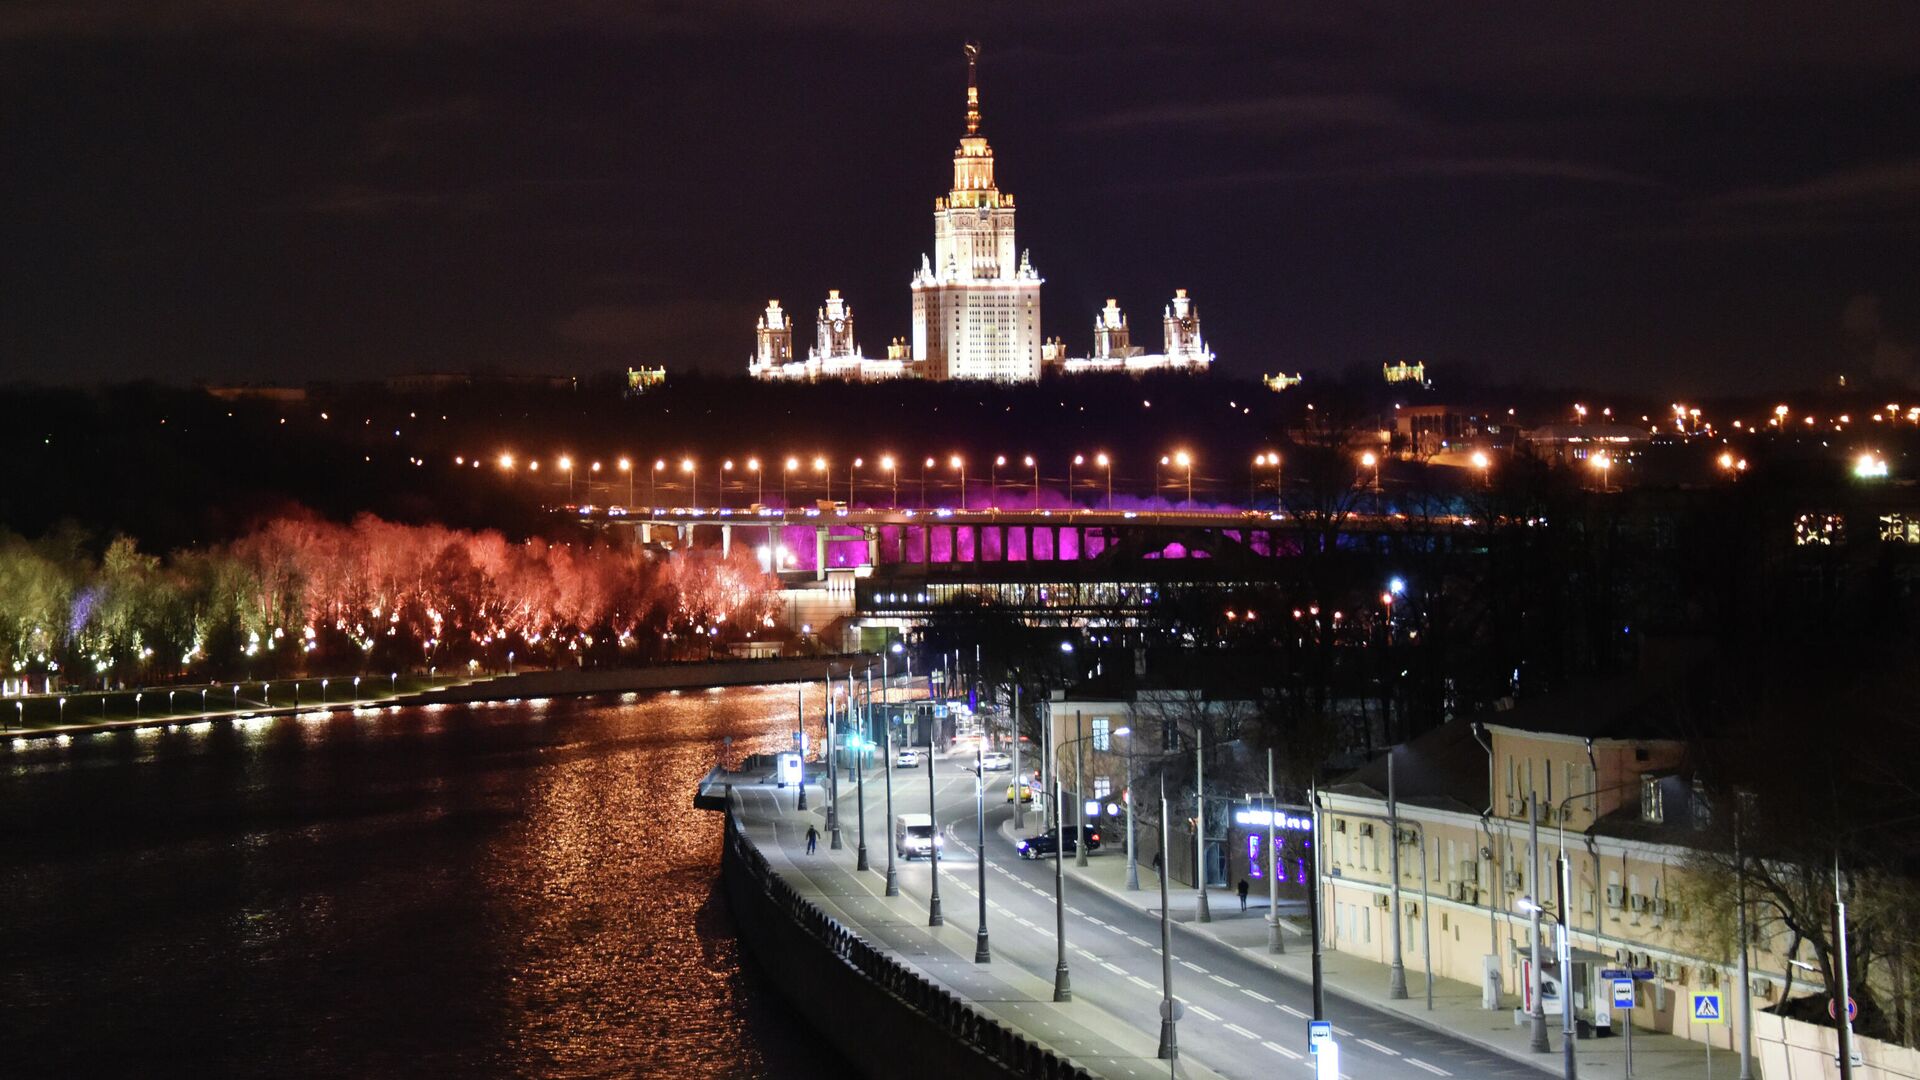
513	889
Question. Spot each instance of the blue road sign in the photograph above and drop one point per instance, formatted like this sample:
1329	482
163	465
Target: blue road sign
1706	1009
1318	1032
1623	993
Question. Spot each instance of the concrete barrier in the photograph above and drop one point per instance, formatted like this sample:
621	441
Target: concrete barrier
882	1015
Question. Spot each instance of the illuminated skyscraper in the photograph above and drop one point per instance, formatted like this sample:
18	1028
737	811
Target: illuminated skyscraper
976	309
772	342
1184	345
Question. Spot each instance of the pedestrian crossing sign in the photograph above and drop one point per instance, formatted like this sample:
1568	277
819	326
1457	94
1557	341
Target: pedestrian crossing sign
1706	1009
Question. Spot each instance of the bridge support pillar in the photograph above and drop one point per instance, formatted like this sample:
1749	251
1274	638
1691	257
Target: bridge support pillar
646	532
820	553
726	541
873	547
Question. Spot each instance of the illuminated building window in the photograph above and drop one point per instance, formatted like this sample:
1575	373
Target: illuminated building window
1102	786
1102	739
1819	530
1899	529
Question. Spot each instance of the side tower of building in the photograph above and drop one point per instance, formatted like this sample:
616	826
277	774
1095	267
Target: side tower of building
1111	338
833	331
772	342
976	310
1184	344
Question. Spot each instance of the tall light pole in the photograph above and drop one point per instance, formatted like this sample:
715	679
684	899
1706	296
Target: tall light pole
566	466
1079	792
857	463
626	466
1062	984
1843	1007
957	462
786	474
833	775
1031	464
653	482
1538	1043
1563	943
593	470
1169	1008
934	918
693	481
1397	974
1185	461
759	481
886	720
1276	942
1133	854
1106	463
721	499
981	953
862	749
826	477
993	485
924	466
1203	913
1077	461
893	480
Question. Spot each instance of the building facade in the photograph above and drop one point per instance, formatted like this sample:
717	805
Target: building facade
1183	349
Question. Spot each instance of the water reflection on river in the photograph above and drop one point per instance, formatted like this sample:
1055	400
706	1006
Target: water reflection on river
510	889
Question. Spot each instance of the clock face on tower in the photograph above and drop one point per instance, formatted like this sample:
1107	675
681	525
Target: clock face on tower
839	326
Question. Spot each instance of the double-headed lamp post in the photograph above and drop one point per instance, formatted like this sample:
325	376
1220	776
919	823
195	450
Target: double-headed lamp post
1563	940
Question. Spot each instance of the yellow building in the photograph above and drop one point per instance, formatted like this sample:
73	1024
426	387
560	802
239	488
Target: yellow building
1611	794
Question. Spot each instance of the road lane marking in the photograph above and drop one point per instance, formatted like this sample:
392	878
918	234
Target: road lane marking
1199	1011
1191	966
1238	1030
1290	1055
1256	995
1228	983
1138	941
1387	1050
1140	981
1113	967
1434	1069
1291	1011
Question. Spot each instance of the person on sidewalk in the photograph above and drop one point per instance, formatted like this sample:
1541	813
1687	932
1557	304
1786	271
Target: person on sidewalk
813	838
1243	894
1156	862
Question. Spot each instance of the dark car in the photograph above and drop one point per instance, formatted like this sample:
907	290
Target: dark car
1041	846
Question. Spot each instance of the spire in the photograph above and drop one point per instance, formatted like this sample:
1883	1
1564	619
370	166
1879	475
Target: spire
972	49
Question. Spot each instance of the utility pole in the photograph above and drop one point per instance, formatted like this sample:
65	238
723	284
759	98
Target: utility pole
1133	852
1397	974
1313	907
886	760
1079	792
860	773
1019	782
1746	981
800	721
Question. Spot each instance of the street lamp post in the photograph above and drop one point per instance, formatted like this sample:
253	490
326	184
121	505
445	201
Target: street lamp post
1169	1008
720	499
924	466
851	496
934	918
833	774
1202	912
1031	464
785	475
862	749
993	484
886	720
1062	984
1276	942
893	480
1079	793
981	953
566	466
1077	461
1538	1043
626	466
653	482
1133	855
1019	782
1185	461
960	463
1397	974
759	481
826	476
1106	463
1563	945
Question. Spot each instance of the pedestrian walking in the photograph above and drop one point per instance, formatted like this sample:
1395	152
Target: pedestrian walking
1243	894
1156	862
813	838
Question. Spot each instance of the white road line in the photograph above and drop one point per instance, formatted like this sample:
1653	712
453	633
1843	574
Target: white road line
1113	967
1228	983
1238	1030
1256	995
1434	1069
1199	1011
1387	1050
1342	1032
1142	982
1191	966
1138	941
1291	1011
1290	1055
1071	910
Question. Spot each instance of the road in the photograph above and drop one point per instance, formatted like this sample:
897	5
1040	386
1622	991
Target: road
1243	1018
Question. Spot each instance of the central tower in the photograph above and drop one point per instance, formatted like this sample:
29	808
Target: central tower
976	310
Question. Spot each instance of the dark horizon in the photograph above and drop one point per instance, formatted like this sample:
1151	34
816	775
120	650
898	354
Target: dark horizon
1684	205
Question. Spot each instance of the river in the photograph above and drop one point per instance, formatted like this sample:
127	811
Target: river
515	889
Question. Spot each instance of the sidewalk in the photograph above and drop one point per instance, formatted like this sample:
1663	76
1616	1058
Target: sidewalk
1456	1005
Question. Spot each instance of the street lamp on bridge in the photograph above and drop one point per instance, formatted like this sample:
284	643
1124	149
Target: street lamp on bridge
893	478
1031	464
1106	463
626	466
960	463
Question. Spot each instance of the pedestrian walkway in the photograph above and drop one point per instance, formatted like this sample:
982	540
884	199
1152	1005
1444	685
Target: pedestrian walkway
1456	1005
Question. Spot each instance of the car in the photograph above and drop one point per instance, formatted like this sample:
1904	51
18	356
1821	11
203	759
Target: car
907	759
914	834
1041	846
996	762
1026	791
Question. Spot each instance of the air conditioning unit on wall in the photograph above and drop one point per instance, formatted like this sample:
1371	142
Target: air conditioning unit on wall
1382	901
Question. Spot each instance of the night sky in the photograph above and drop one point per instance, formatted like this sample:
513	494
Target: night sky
1692	196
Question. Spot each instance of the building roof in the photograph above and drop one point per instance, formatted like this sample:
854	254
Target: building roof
1445	769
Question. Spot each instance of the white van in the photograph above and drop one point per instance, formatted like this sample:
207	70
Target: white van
913	834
